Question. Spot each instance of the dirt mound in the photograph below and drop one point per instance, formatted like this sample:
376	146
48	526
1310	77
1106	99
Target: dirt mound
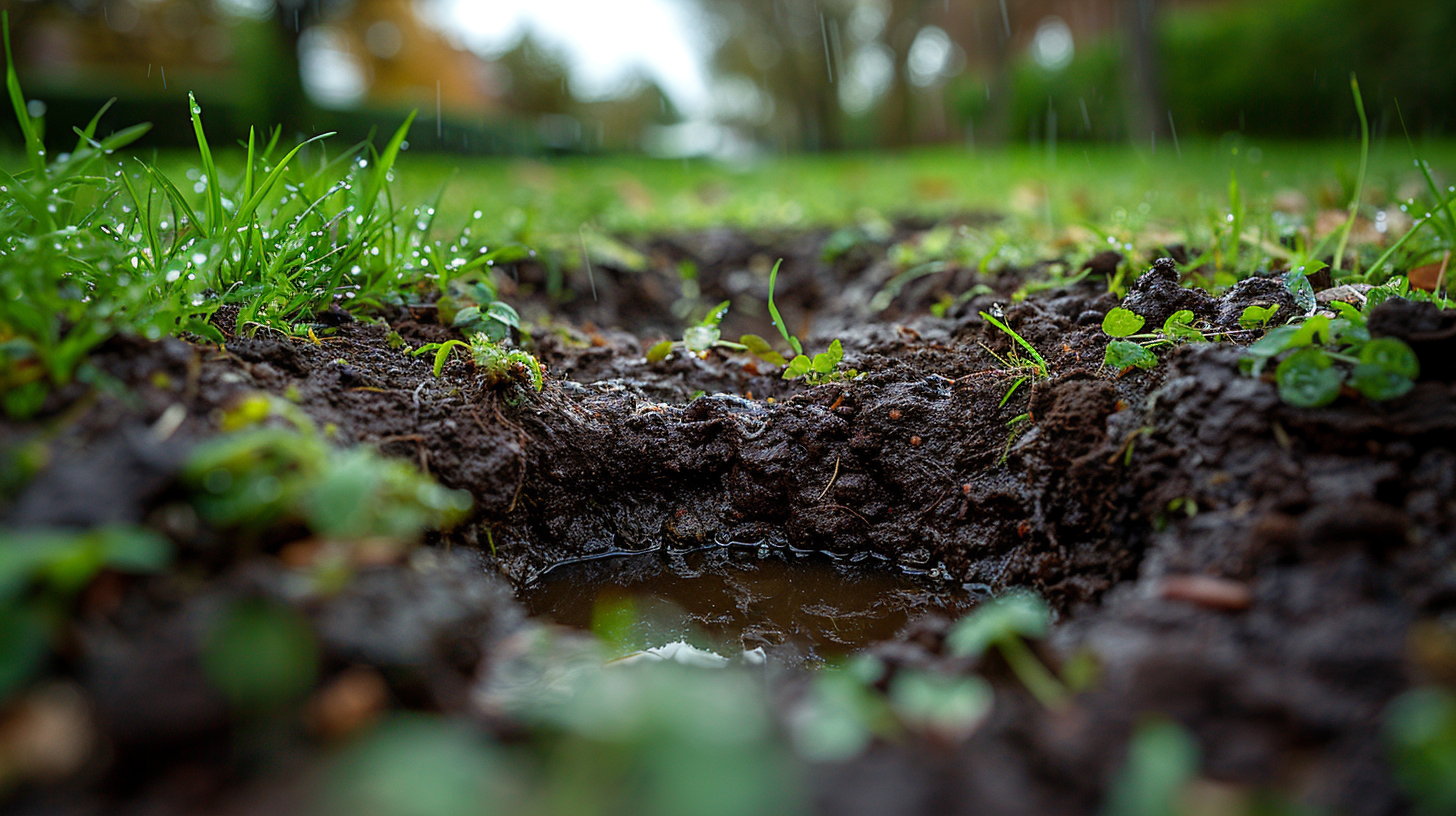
1247	568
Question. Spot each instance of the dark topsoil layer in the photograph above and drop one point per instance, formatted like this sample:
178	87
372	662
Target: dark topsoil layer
1330	532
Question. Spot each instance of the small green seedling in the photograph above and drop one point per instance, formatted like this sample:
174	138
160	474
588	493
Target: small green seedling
1129	349
1013	362
470	304
822	367
496	364
1257	317
698	339
1037	364
1308	376
1004	623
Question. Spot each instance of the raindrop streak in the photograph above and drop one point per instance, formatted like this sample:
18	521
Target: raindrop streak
1086	119
1051	133
586	256
1005	20
828	61
838	50
1174	129
164	76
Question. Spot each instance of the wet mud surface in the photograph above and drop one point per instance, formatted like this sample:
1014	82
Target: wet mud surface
1252	570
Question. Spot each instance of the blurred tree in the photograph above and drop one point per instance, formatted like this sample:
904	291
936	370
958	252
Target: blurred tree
537	77
786	51
903	23
1146	117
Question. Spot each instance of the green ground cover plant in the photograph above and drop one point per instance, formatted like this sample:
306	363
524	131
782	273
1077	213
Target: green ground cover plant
1319	356
701	337
1130	349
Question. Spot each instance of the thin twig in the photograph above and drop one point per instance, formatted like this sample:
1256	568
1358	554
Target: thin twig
835	475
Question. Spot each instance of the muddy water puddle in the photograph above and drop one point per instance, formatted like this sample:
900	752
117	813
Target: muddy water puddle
804	608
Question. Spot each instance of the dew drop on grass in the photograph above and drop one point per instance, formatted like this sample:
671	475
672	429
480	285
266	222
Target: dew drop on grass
199	258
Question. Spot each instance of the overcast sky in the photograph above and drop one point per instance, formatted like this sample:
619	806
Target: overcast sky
604	40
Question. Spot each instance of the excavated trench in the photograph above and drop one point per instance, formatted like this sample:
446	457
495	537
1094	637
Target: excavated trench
1251	569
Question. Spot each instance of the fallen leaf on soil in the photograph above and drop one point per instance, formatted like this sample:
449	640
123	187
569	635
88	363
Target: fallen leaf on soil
1207	591
1426	277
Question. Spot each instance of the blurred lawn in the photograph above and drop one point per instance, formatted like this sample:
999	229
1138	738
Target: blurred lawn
1093	185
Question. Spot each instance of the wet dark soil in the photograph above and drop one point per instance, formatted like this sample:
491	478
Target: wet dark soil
1249	569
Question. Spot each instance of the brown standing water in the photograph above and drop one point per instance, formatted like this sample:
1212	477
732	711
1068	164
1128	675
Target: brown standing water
809	607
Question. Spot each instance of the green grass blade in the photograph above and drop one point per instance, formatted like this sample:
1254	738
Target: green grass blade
248	173
272	143
144	218
247	208
34	148
382	167
91	151
778	319
27	200
1359	179
90	131
1446	225
214	184
1236	209
1036	355
179	203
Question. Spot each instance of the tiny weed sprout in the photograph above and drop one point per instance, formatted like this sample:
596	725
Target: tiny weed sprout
1037	364
1321	355
470	304
496	364
822	367
1004	623
698	339
1257	317
1013	362
1128	349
